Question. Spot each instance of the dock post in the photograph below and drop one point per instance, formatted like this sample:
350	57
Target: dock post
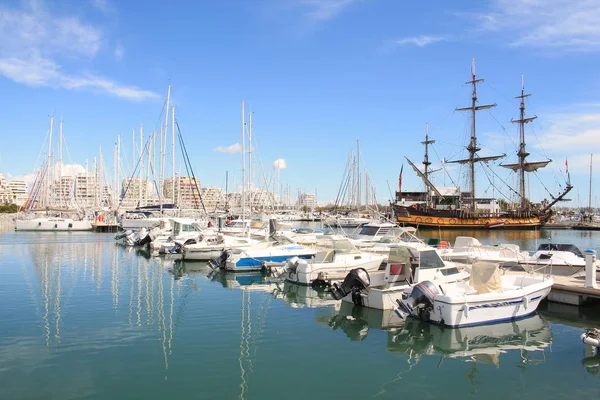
590	269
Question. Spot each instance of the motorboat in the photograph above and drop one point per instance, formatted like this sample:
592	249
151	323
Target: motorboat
210	247
488	297
54	224
468	249
334	259
407	264
564	259
276	251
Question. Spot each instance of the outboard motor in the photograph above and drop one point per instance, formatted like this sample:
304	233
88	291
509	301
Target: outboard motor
220	261
175	249
422	297
357	280
123	234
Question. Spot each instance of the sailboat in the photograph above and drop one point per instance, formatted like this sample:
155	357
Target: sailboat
456	209
47	193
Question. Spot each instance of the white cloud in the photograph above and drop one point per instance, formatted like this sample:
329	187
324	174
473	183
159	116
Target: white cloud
33	42
40	72
422	40
234	148
559	24
573	131
280	164
324	10
33	28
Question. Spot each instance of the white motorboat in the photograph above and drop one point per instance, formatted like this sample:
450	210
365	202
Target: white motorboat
488	297
335	258
276	251
210	247
468	250
55	224
563	259
407	264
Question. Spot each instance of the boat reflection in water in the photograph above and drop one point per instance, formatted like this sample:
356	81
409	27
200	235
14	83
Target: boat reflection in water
531	336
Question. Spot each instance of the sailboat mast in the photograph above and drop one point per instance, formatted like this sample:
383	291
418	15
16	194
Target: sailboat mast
590	199
50	167
472	148
426	161
357	176
60	143
173	153
522	154
250	157
243	166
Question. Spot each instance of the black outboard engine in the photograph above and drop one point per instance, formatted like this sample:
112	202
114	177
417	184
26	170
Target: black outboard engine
422	297
220	261
358	279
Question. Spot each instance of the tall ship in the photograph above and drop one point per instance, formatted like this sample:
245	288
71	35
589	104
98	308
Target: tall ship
452	208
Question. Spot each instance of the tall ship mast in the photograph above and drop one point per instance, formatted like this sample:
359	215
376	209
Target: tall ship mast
454	209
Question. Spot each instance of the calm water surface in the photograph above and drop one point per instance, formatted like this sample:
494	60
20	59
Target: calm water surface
82	318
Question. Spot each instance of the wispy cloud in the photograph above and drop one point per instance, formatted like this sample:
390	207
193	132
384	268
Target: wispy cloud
560	24
324	10
33	42
421	40
234	148
119	51
103	6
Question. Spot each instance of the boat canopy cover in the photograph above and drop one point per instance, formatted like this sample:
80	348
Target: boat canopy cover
571	248
485	277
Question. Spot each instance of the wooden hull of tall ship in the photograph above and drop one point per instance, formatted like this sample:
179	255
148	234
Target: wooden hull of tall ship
453	219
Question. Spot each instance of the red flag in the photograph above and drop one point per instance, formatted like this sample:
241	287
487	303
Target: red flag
567	165
400	179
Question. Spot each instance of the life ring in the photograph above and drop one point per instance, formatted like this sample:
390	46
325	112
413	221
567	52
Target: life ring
418	220
453	221
591	337
443	245
429	220
440	221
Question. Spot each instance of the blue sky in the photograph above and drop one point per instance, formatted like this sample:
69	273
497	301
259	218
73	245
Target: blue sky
317	74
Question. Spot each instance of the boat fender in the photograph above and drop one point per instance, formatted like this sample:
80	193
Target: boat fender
525	302
465	310
591	337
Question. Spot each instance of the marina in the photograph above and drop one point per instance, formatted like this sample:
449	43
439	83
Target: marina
85	306
329	199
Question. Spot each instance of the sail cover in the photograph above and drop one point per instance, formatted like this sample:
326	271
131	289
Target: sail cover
529	166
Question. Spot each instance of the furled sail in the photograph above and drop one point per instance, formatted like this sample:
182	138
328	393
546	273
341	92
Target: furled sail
528	166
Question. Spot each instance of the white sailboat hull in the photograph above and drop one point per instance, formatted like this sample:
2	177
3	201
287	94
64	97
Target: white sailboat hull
52	224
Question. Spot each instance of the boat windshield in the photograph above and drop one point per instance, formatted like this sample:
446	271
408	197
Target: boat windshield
369	230
431	259
339	245
560	247
426	259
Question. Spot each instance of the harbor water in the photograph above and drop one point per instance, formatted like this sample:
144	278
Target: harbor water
83	318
